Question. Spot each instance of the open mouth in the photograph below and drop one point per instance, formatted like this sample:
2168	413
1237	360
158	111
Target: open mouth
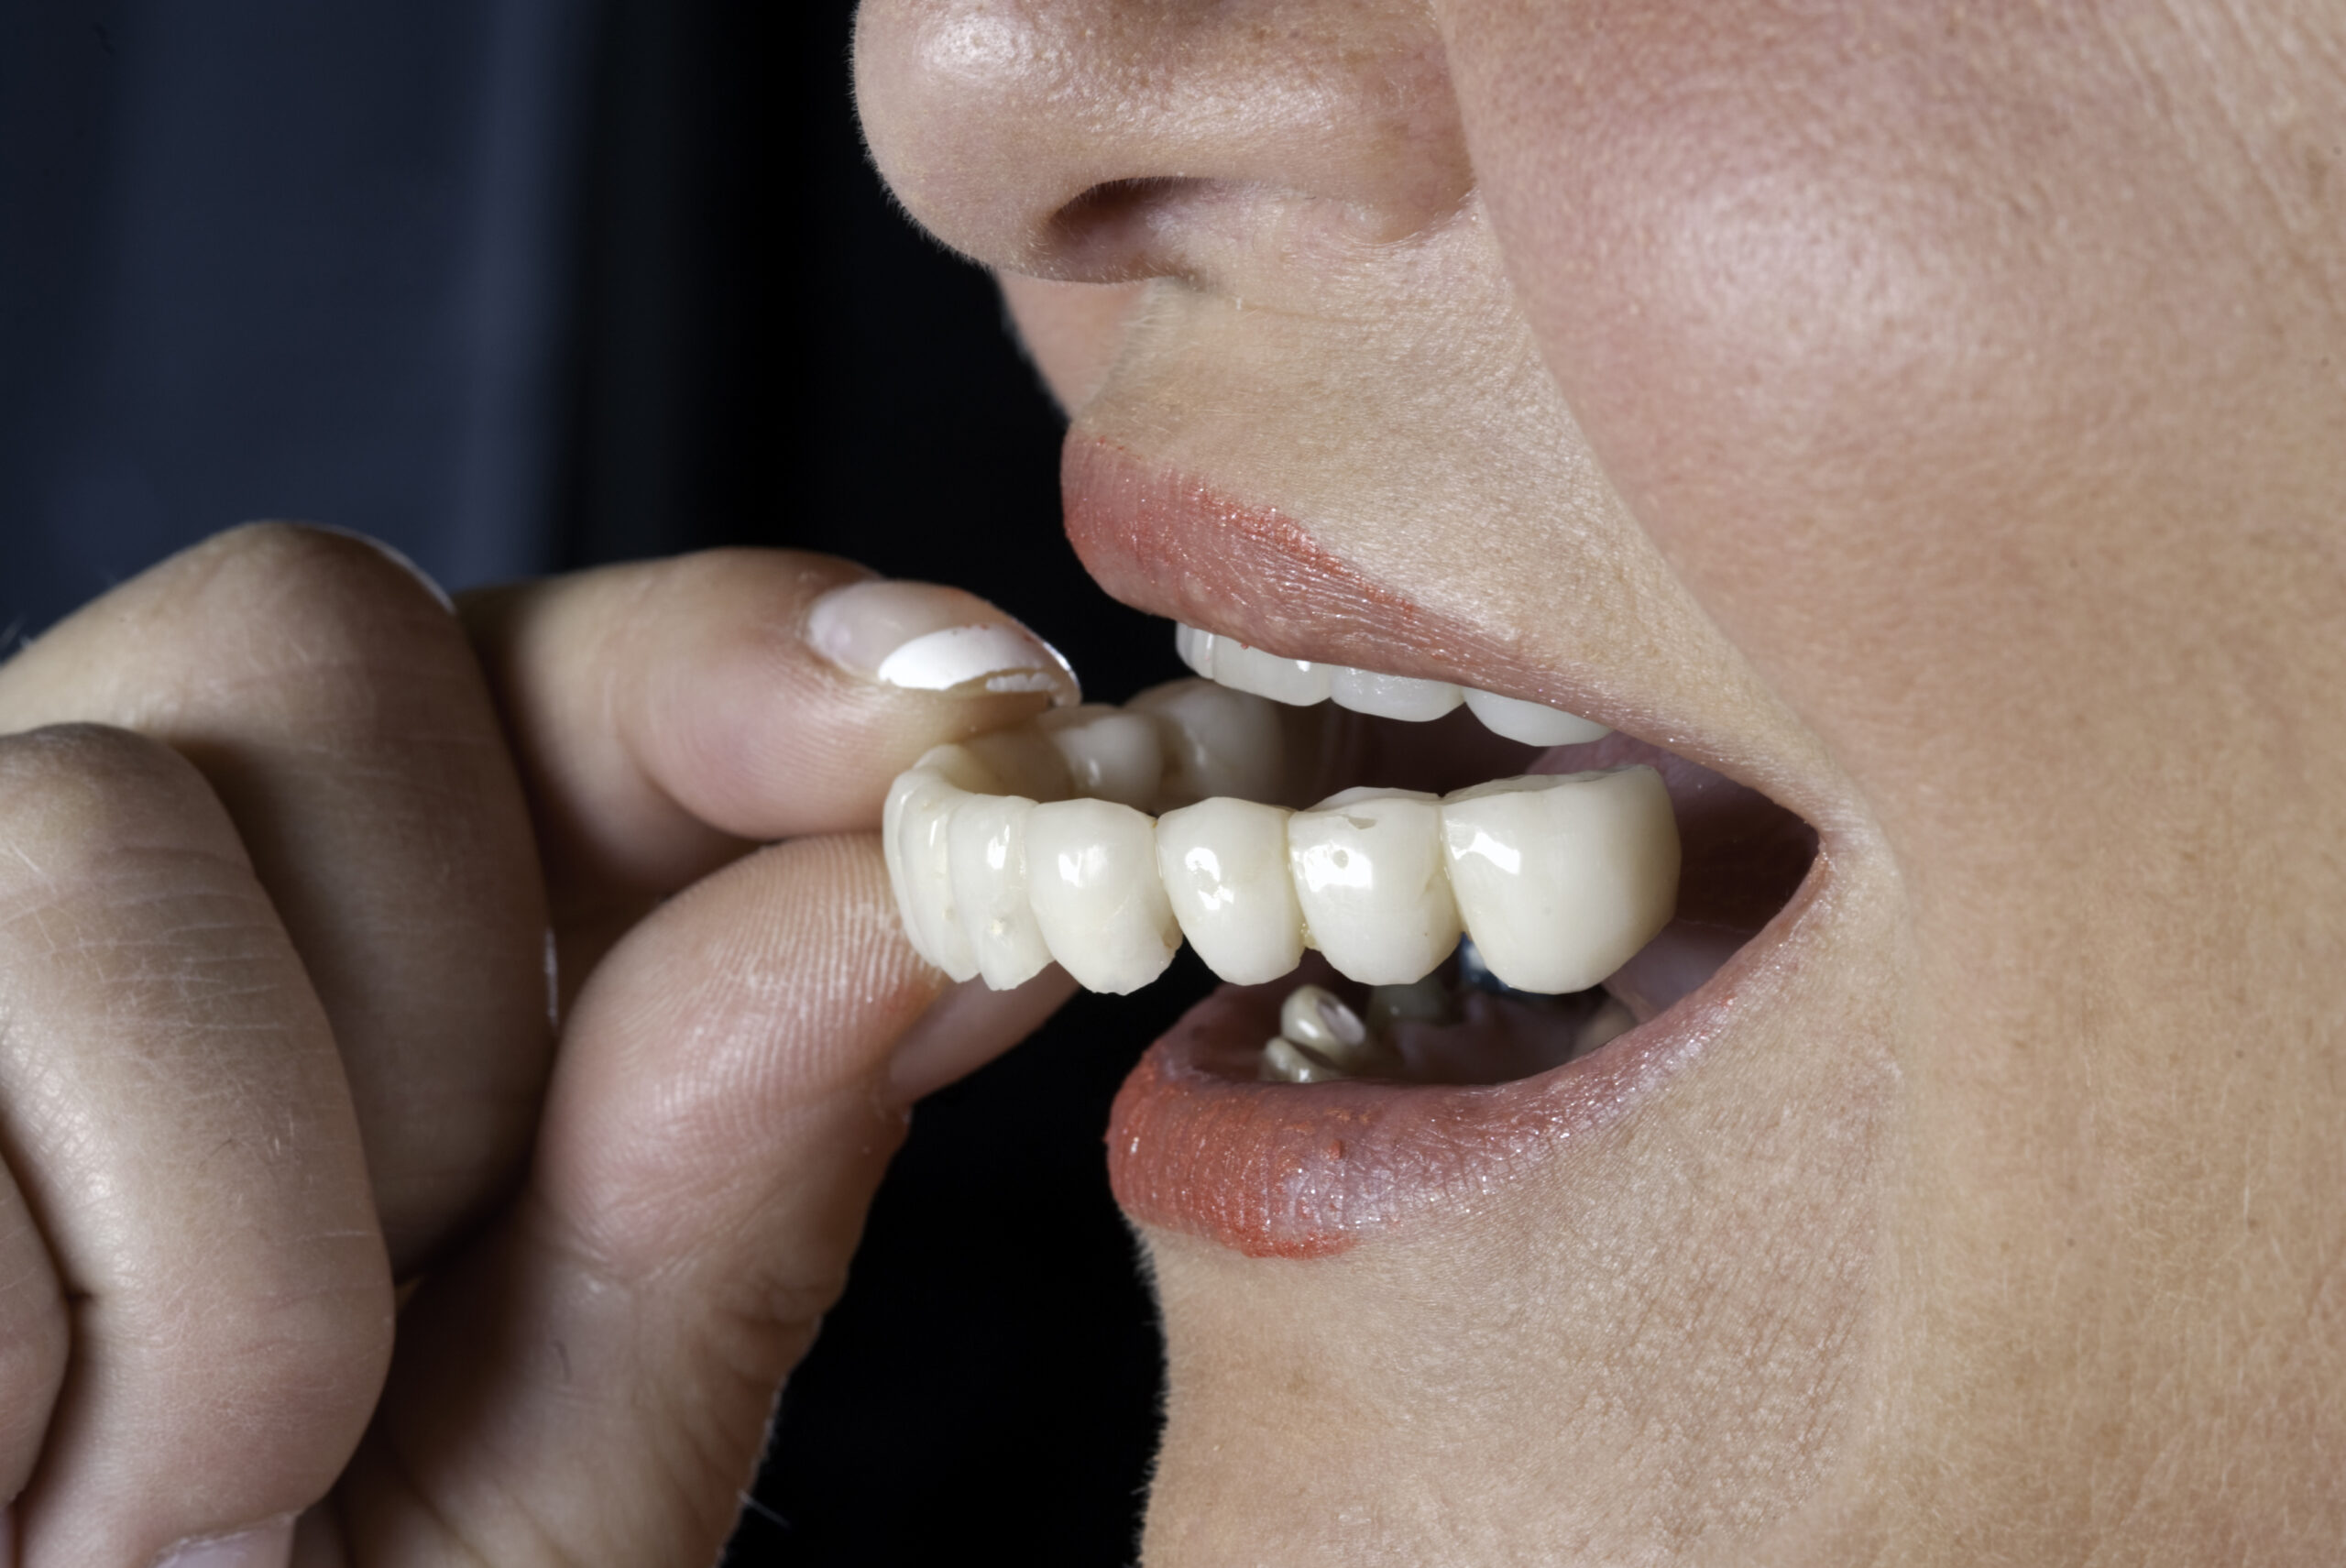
1461	925
1493	887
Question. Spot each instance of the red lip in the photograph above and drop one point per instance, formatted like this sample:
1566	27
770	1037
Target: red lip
1195	1145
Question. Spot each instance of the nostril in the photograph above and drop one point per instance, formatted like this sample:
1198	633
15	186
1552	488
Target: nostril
1109	233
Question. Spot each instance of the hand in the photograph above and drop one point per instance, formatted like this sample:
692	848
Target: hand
288	853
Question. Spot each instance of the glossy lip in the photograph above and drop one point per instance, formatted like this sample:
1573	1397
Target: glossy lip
1285	1170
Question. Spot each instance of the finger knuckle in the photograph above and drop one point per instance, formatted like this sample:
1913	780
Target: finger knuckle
68	791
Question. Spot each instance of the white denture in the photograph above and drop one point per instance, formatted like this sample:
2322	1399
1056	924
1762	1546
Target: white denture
1092	876
1560	878
1030	845
1228	661
1369	872
1223	863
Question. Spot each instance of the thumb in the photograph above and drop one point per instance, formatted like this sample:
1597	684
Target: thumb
593	1379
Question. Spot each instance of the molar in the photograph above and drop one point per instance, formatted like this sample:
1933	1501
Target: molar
1560	879
1093	884
1224	868
1367	865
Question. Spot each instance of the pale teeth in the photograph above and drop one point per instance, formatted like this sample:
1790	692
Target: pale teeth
916	842
1216	742
1109	754
1560	879
1298	682
1369	872
1224	867
1093	884
1316	1017
986	848
1285	1062
1534	724
1302	681
1391	696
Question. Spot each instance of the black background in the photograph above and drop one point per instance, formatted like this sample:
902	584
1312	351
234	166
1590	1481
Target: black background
522	285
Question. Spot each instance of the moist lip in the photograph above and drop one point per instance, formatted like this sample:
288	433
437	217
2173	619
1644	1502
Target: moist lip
1196	1143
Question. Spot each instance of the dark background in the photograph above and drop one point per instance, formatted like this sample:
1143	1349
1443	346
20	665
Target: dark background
521	285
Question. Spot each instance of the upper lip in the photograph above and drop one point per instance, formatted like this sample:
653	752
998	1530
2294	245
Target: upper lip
1193	1145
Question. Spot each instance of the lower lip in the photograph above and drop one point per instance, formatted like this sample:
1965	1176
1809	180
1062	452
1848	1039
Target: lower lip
1197	1144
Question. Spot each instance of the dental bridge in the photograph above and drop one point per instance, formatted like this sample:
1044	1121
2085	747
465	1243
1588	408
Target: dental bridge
1100	837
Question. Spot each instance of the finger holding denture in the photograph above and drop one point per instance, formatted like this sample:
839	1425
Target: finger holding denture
1035	844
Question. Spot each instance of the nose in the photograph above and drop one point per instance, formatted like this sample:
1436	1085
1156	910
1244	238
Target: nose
1106	140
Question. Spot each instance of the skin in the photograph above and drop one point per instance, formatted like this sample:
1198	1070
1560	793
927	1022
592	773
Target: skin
1931	416
1932	411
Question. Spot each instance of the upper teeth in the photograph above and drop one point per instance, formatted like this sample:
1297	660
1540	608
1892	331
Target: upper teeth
1029	845
1302	681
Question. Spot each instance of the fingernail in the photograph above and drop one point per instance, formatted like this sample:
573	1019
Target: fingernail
924	637
268	1546
968	1025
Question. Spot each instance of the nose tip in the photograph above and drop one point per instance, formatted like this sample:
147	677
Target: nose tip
1066	138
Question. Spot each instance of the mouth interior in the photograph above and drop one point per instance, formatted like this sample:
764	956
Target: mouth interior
1744	857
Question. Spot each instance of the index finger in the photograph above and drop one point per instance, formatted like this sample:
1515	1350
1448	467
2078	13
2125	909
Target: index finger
668	714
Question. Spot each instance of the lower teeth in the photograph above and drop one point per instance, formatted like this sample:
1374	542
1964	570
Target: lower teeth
1426	1032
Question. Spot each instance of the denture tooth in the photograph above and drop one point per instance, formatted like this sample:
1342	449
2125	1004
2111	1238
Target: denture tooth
1533	723
1427	1001
1216	741
1367	865
915	843
1224	864
1091	881
1301	681
1561	878
1024	761
1109	754
986	854
1391	696
1285	1062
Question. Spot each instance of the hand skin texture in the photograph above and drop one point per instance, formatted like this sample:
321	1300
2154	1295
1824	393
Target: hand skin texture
286	845
1936	410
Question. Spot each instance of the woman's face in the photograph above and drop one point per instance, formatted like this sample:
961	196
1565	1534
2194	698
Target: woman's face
1932	414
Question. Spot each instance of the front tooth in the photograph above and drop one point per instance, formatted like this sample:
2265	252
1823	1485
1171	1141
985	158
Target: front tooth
1391	696
1300	682
1369	872
1093	884
1223	863
916	842
1561	878
1195	647
1533	723
1217	741
986	849
1109	754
